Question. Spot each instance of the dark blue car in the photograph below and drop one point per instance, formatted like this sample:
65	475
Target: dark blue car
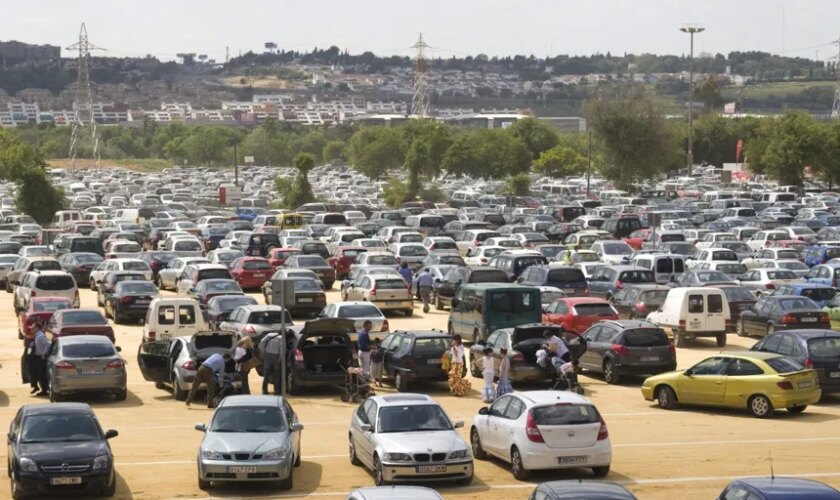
820	254
778	488
819	293
574	489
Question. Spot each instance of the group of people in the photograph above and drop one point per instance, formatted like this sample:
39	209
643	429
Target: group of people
422	280
212	373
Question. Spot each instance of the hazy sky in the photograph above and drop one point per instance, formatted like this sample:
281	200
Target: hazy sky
452	27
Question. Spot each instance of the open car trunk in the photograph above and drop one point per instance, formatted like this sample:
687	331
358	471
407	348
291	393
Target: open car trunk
528	341
325	345
205	344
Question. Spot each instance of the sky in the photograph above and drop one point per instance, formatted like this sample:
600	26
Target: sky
163	28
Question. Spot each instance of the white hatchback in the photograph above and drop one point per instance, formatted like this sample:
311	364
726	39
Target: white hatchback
537	430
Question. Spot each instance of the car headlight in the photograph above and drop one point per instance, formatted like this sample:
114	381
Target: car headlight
211	455
276	454
100	462
398	457
460	454
28	465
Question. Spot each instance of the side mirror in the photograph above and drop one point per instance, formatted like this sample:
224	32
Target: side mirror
296	427
111	433
10	437
458	424
688	373
201	427
118	348
484	410
366	428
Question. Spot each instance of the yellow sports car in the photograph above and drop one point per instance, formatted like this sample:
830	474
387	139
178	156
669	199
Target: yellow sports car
757	381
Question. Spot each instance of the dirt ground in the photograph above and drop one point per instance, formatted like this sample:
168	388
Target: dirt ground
683	454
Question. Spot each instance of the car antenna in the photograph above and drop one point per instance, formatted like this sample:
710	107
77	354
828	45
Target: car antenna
772	474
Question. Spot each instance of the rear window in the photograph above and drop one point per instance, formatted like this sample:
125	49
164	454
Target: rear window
824	347
432	221
308	286
566	275
653	296
431	347
523	263
135	266
55	283
784	365
50	306
334	219
594	310
138	287
86	245
88	259
732	268
819	293
353	253
488	276
360	311
84	318
252	265
382	260
92	350
781	275
565	415
211	274
45	265
210	341
730	255
187	245
445	245
269	317
637	277
413	251
793	254
311	262
645	337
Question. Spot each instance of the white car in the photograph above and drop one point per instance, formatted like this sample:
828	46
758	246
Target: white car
711	240
538	430
480	256
359	312
760	239
106	266
767	255
502	241
612	252
394	493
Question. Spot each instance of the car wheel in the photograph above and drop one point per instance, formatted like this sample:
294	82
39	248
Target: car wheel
450	329
297	460
797	409
17	491
159	283
400	382
378	475
601	471
291	385
122	395
438	303
666	398
203	485
679	338
760	406
475	440
739	329
177	392
517	467
610	375
354	460
409	312
92	285
54	396
771	329
111	489
288	483
721	340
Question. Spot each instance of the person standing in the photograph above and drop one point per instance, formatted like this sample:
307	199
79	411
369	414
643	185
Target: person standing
424	285
488	373
503	387
377	362
406	274
458	385
206	374
244	356
364	348
272	347
39	359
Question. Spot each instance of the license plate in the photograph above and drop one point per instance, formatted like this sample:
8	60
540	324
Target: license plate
91	372
304	300
834	375
433	361
241	470
571	460
259	276
65	480
804	385
142	301
650	358
430	468
809	320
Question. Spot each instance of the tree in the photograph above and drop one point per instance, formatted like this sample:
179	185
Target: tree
796	142
560	161
38	197
519	185
375	150
301	192
333	151
830	170
487	153
637	141
427	142
709	92
715	139
537	135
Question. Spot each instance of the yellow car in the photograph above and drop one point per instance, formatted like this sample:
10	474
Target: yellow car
757	381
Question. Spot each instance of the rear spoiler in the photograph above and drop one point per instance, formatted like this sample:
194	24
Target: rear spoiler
790	374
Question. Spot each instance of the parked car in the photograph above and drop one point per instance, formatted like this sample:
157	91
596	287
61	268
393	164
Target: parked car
256	320
522	343
702	278
107	284
167	279
67	322
277	256
251	272
576	314
314	263
342	259
627	347
479	309
575	488
781	312
567	278
764	281
444	291
59	446
130	300
196	273
24	265
739	299
209	288
814	348
821	294
408	437
265	434
359	312
85	364
388	293
775	487
219	307
694	312
825	274
636	301
759	382
80	265
609	280
170	317
308	299
40	308
415	355
392	492
45	284
224	256
538	430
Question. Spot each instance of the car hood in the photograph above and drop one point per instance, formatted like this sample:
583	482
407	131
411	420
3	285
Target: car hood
48	452
252	442
421	442
662	377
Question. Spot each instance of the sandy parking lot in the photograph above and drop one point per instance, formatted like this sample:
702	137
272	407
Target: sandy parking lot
684	454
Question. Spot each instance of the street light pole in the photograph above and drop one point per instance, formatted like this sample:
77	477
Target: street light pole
691	29
589	166
235	166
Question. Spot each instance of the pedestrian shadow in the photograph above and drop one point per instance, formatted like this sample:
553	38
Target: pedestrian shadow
105	400
4	399
123	489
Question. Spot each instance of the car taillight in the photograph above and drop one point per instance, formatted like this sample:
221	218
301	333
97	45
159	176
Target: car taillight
298	356
152	335
33	293
671	348
788	386
770	286
117	363
65	365
531	429
320	298
373	291
81	269
824	318
641	307
619	285
788	319
682	323
603	432
189	365
517	356
620	350
483	260
808	363
127	300
385	326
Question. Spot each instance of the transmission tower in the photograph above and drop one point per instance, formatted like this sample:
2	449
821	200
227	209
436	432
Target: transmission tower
835	108
84	124
420	102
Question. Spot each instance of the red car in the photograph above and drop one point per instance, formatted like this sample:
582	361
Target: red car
40	308
576	314
251	272
342	258
277	256
66	322
637	238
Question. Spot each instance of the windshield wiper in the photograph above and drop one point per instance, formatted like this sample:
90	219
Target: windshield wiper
225	430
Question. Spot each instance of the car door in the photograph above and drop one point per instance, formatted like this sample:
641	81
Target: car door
506	427
490	434
754	319
705	382
393	359
153	360
292	418
591	358
740	381
363	441
187	319
695	320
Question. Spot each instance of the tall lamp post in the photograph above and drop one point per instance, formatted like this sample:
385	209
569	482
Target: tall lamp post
691	29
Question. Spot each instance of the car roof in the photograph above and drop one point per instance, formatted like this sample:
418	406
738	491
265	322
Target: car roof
401	492
261	307
56	408
802	286
546	397
644	287
426	334
85	339
813	333
404	399
594	490
629	324
251	400
778	488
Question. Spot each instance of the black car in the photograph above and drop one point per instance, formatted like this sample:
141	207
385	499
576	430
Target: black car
740	299
624	347
208	288
444	290
211	237
782	312
106	286
817	348
312	247
412	356
260	244
574	488
567	278
80	264
60	447
314	263
157	260
130	300
309	298
219	307
636	301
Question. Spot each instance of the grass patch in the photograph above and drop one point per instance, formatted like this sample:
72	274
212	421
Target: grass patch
774	89
140	165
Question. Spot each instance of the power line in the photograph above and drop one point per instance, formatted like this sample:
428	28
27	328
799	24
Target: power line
835	107
420	102
84	123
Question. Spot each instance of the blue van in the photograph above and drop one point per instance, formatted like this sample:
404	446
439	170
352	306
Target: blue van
478	309
820	254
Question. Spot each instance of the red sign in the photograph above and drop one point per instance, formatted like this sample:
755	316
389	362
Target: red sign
738	150
222	196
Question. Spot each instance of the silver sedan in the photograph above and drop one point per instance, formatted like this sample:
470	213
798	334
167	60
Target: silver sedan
85	363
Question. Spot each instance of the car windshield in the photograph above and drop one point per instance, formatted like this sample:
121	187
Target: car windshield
84	318
312	261
637	277
382	260
784	364
135	266
138	287
222	285
248	419
62	428
228	256
617	249
565	414
566	275
798	303
646	337
653	297
359	311
413	418
711	276
88	350
308	286
732	268
390	284
88	259
413	251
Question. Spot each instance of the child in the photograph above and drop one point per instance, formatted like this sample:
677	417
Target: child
489	374
503	387
569	370
377	362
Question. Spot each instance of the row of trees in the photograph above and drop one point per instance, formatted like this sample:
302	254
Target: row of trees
22	164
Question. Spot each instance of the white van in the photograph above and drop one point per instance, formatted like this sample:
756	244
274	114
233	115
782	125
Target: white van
170	317
694	312
127	215
64	218
777	197
664	266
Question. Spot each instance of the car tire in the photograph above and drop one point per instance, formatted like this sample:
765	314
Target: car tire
610	375
797	409
739	329
53	395
409	313
466	481
354	460
721	340
111	489
289	482
177	392
450	329
17	491
203	485
297	460
291	385
679	338
159	283
666	397
475	440
517	467
92	285
601	471
400	382
760	406
770	329
438	303
121	395
378	475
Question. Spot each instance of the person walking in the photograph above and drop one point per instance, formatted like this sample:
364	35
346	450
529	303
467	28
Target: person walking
39	359
406	274
244	357
364	348
424	285
271	348
488	373
458	385
206	374
503	387
377	362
